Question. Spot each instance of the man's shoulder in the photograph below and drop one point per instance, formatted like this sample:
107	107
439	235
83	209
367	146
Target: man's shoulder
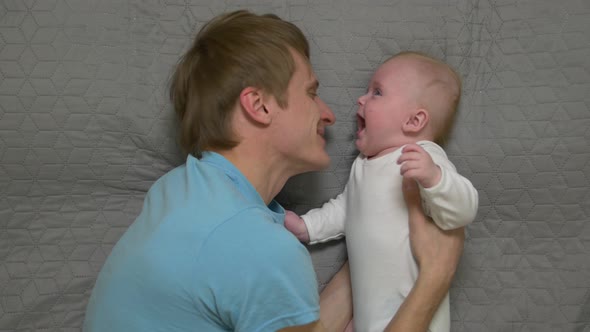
256	226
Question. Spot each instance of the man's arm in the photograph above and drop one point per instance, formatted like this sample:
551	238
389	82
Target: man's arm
437	253
335	306
336	301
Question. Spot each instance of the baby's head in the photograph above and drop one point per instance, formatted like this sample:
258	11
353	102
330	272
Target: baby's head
410	97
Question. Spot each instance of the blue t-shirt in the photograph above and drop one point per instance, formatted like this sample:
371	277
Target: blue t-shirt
205	254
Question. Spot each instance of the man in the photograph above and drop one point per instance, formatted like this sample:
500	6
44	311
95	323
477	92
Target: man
209	251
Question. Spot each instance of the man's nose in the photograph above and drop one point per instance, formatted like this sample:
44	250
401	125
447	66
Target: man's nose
326	114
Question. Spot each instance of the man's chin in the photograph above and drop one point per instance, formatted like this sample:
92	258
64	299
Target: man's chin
324	162
321	162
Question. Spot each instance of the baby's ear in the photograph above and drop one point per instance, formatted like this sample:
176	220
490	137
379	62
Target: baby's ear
416	121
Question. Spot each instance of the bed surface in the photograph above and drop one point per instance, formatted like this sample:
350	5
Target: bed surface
86	128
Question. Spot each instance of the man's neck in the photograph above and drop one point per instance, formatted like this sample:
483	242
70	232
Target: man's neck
265	172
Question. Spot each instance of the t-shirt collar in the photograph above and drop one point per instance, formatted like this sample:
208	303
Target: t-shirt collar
219	161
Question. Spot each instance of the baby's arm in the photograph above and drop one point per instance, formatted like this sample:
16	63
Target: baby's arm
321	224
449	198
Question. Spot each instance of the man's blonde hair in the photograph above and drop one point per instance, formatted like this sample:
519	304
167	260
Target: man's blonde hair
231	52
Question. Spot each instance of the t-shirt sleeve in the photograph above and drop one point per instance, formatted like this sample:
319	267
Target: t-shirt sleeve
255	276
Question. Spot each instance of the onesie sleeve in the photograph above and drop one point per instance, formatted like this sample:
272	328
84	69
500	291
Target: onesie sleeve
453	202
327	222
261	278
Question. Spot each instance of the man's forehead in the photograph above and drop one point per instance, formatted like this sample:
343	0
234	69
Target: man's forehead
309	72
303	66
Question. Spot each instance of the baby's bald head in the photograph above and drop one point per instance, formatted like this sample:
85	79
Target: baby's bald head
435	87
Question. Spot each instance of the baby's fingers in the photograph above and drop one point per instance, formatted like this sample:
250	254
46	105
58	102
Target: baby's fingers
409	156
413	148
409	166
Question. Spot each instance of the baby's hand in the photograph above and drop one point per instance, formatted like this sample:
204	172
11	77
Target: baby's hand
295	225
417	164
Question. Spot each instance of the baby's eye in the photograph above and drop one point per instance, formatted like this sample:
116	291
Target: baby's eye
377	92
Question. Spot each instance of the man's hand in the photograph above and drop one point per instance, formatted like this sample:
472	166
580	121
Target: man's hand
295	225
417	164
434	249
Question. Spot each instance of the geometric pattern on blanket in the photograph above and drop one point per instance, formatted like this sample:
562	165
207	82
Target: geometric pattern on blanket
86	128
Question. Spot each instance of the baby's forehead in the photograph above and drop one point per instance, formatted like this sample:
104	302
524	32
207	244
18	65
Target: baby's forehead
420	65
409	70
425	70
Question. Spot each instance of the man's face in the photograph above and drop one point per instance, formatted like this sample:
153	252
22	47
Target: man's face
384	108
300	129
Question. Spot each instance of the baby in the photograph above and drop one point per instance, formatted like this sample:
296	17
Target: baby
410	104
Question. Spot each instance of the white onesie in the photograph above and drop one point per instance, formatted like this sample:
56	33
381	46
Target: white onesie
371	212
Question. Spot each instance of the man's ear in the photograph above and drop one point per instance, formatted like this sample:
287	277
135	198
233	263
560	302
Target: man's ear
417	120
252	102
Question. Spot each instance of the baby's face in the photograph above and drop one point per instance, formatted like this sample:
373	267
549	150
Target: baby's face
384	108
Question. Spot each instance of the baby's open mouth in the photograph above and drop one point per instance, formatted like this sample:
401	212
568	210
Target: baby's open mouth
360	122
